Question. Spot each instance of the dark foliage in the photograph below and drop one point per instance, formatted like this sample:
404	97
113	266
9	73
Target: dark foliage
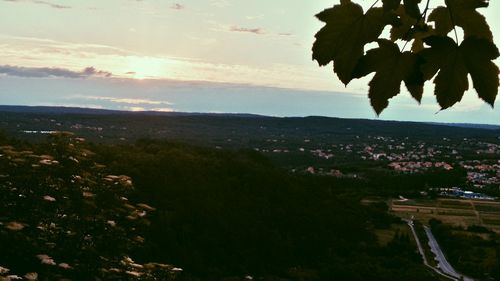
223	213
348	29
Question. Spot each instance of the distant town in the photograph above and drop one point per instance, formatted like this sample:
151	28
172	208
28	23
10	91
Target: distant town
324	146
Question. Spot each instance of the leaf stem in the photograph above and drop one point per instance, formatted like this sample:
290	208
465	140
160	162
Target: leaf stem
452	20
424	14
373	5
404	46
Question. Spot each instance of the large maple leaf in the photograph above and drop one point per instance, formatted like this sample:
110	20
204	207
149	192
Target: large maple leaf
462	13
454	63
391	67
345	34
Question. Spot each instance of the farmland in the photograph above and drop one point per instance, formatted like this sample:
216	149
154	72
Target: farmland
455	212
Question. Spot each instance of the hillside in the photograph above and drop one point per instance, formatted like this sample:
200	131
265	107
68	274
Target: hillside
68	211
223	197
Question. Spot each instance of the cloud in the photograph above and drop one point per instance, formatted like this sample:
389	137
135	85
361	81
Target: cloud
44	45
52	5
245	29
91	71
122	103
202	41
45	72
130	101
220	3
163	109
134	108
41	2
225	27
177	6
122	63
254	17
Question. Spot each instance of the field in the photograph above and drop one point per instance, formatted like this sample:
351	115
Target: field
458	212
384	236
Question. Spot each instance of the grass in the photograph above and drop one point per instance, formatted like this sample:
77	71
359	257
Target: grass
455	204
449	212
492	221
384	236
489	208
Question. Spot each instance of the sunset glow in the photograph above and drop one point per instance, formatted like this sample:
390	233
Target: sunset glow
144	67
252	47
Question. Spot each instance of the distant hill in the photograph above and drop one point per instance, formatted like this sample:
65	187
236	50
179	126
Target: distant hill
97	111
225	130
468	125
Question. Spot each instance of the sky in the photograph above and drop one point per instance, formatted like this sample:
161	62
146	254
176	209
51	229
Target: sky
192	56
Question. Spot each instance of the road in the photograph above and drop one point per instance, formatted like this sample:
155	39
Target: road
443	264
421	250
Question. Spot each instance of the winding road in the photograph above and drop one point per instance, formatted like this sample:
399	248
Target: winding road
421	250
443	264
444	268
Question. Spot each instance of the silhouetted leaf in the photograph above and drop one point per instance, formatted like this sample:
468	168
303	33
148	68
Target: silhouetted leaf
451	81
474	56
412	9
403	30
391	4
484	73
345	34
441	17
464	14
391	67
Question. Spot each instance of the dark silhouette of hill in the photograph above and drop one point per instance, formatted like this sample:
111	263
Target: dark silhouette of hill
211	128
97	111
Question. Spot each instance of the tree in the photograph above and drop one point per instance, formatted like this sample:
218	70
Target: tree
435	50
64	217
